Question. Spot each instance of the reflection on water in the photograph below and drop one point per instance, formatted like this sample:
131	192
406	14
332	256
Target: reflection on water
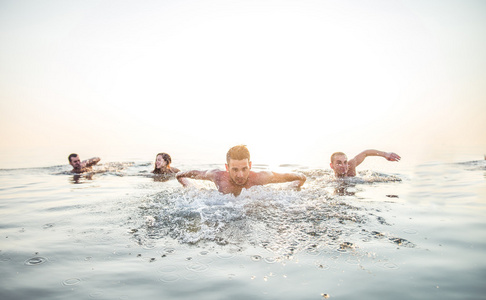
163	177
124	230
113	168
80	178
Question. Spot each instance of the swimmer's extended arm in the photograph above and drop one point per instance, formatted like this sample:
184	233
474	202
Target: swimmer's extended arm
358	159
272	177
90	162
195	174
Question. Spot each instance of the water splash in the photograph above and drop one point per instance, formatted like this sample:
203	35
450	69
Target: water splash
283	221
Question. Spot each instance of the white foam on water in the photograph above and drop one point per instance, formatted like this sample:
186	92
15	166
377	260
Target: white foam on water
320	217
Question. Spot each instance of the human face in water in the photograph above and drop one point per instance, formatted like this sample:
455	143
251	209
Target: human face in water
76	163
160	163
340	165
239	171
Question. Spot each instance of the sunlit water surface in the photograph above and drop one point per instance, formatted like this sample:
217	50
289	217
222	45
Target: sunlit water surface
120	233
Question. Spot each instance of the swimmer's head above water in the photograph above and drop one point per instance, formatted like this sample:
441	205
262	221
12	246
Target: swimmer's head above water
75	162
81	166
162	164
238	174
342	167
339	163
238	164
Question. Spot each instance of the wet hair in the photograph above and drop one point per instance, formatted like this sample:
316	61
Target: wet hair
71	156
238	153
165	157
336	154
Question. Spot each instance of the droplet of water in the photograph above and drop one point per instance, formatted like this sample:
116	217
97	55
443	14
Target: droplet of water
169	277
352	261
96	295
149	246
346	246
71	281
169	250
197	267
168	269
390	265
35	261
48	225
225	255
270	260
322	267
5	259
312	251
191	276
256	257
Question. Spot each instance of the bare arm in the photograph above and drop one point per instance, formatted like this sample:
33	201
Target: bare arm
272	177
90	162
358	159
175	170
195	174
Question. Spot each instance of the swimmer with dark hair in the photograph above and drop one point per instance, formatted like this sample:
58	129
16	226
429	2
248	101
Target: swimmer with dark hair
344	168
81	166
238	174
162	164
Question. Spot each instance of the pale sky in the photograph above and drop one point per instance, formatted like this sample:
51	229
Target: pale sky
288	78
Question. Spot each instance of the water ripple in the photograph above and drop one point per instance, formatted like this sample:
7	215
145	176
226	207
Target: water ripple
197	267
71	281
35	261
169	277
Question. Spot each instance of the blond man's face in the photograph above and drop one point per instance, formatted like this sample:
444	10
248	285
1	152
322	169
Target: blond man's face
239	170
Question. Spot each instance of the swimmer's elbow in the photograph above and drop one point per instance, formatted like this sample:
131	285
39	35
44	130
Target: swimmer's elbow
300	179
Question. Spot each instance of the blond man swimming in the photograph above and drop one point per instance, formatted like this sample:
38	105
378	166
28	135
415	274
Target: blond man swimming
238	174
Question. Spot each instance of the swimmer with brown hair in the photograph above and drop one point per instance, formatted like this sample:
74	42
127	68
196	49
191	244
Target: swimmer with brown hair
344	168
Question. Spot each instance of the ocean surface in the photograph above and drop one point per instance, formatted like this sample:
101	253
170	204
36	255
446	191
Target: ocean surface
120	233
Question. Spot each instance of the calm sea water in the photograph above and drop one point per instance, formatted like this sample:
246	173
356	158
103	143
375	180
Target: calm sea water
119	233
